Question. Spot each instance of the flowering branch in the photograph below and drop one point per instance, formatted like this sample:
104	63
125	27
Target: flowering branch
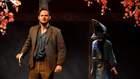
103	4
5	15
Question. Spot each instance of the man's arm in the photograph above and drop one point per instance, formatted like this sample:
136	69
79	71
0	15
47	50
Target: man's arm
112	60
24	49
27	43
61	52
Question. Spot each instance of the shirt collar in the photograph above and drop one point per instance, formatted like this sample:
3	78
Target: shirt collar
47	25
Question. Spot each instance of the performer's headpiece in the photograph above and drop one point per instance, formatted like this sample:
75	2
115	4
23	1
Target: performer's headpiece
97	27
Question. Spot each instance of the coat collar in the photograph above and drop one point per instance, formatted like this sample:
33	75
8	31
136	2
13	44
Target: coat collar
48	33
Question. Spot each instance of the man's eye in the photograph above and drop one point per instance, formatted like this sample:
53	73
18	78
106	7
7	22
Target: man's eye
44	15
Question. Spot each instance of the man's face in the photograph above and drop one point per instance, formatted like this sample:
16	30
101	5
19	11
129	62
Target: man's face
44	17
100	36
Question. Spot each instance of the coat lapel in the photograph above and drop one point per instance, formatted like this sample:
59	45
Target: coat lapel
49	31
35	32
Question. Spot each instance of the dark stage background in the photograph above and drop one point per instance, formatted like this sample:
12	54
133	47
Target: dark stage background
73	18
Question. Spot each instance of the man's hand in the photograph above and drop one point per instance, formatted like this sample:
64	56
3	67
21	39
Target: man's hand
58	69
113	69
18	57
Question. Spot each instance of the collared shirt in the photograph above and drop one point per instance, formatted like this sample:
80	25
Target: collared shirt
41	41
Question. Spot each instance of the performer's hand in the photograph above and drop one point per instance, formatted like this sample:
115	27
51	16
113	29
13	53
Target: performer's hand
18	57
58	69
113	69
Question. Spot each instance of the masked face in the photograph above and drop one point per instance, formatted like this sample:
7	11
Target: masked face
100	36
44	17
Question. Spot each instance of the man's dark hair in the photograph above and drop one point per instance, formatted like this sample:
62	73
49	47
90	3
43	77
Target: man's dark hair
41	9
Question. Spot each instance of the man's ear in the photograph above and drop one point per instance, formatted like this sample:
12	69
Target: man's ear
38	17
50	17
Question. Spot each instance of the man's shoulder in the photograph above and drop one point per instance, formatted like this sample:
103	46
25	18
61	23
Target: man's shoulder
108	43
54	28
94	42
34	26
